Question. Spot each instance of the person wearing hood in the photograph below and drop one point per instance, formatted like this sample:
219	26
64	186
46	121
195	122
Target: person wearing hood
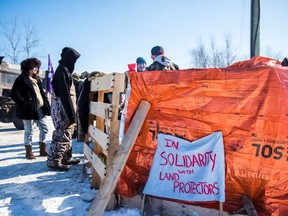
160	61
32	104
63	112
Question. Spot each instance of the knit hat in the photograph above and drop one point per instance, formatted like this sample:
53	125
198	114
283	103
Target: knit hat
140	60
157	50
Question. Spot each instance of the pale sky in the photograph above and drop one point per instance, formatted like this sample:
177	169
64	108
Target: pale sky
111	34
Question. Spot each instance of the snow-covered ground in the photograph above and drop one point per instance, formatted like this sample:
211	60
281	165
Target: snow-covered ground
28	187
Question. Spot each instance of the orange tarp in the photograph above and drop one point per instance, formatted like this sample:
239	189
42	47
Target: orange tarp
246	101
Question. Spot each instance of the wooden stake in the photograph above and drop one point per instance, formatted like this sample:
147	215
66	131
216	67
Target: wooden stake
220	208
143	204
109	184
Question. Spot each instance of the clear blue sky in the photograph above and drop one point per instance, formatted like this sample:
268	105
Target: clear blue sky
109	34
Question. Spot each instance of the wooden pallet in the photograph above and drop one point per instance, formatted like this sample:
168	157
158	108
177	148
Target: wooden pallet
114	171
103	131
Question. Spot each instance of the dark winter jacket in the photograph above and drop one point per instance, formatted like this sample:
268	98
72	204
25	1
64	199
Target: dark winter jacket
83	105
62	81
78	87
161	62
23	94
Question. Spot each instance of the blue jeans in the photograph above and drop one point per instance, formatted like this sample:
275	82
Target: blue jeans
28	126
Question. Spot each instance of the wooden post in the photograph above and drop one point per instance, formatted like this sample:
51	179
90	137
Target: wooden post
143	205
96	179
220	208
114	171
104	134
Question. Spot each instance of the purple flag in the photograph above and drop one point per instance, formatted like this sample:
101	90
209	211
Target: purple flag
50	75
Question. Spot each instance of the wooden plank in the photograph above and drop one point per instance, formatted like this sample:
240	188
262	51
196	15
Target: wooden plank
100	137
104	117
87	136
95	183
95	161
98	108
108	186
96	179
102	83
220	208
119	84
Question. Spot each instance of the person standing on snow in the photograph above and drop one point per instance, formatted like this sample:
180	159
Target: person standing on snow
160	61
31	104
63	112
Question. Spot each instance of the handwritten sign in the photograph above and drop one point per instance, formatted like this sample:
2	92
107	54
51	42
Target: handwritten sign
192	171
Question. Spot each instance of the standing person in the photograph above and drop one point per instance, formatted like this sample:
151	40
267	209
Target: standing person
141	64
83	102
160	61
63	112
31	104
78	83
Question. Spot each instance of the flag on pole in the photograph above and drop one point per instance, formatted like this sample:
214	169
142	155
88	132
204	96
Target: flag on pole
50	75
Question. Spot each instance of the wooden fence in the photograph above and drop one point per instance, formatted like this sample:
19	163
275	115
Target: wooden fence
103	133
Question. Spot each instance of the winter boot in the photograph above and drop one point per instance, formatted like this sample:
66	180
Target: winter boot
57	165
61	167
29	154
42	148
68	159
71	161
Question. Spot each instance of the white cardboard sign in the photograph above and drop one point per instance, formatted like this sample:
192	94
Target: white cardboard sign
192	171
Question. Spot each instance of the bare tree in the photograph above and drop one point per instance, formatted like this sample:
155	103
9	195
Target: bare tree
229	51
203	57
19	39
269	52
200	56
11	32
31	39
217	59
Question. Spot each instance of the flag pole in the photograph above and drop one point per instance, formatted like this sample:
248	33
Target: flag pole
50	75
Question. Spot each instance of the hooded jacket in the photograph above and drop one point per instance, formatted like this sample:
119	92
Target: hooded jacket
161	62
24	95
62	81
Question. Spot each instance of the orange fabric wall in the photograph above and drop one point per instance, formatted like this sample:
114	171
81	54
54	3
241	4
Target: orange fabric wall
246	101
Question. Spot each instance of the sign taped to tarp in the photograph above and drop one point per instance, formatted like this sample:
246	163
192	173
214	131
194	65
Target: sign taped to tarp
191	171
246	101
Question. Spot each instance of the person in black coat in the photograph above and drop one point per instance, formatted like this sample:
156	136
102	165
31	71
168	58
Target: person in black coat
83	102
63	112
160	60
32	104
